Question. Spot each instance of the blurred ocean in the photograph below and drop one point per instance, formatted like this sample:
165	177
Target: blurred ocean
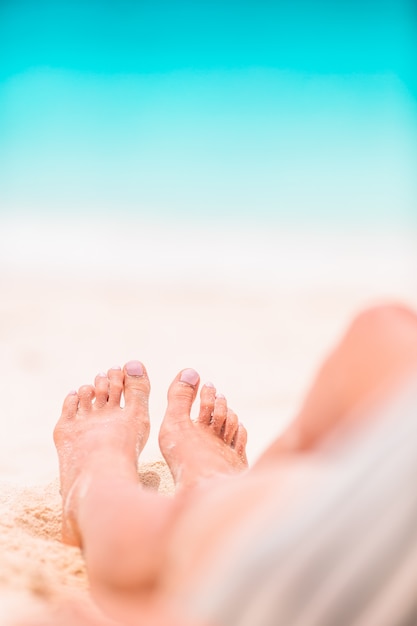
299	112
372	258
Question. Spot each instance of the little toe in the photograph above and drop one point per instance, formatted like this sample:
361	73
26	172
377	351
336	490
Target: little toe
230	427
219	413
101	384
115	387
136	385
239	441
86	394
181	395
207	399
70	406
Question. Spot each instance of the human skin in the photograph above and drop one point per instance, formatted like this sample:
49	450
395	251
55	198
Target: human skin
144	551
122	528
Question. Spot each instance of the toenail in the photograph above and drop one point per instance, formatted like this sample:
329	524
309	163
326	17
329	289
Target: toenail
102	375
220	396
73	392
134	368
209	384
189	376
116	367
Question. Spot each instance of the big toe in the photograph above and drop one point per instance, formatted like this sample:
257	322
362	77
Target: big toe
136	387
181	395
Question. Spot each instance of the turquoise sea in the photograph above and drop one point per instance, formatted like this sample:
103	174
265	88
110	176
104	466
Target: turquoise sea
259	111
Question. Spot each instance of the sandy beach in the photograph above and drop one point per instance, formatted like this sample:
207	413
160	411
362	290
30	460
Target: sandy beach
253	308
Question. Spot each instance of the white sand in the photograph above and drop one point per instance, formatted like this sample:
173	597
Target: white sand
252	309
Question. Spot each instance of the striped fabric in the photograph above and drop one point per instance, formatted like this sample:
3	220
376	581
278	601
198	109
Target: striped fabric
347	554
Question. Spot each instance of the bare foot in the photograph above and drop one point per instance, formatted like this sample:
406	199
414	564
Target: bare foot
214	444
96	437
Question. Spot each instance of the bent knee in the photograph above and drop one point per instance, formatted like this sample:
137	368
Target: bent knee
386	321
384	337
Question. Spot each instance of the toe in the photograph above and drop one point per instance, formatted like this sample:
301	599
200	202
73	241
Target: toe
181	395
102	390
219	413
207	398
86	394
136	385
115	377
230	427
70	406
239	442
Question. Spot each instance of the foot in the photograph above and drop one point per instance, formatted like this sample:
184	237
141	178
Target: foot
212	445
95	437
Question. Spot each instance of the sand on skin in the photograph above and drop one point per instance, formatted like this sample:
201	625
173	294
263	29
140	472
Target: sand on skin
36	568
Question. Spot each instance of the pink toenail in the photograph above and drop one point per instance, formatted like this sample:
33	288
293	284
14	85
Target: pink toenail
209	384
220	396
189	376
73	392
116	367
102	375
134	368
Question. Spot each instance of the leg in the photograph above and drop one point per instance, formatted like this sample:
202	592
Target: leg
214	497
376	353
120	526
124	530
